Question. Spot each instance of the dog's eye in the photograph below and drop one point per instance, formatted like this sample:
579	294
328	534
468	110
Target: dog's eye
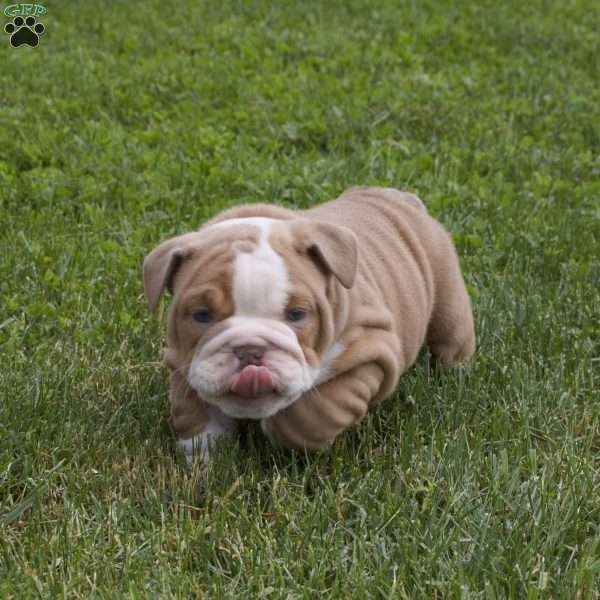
295	314
203	316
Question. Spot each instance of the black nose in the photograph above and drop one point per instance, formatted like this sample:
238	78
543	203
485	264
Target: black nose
249	355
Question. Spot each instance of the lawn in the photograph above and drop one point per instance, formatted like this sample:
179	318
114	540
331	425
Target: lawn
132	122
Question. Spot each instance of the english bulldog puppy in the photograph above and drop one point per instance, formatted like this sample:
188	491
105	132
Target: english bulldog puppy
303	319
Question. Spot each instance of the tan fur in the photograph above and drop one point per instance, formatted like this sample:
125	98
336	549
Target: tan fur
382	276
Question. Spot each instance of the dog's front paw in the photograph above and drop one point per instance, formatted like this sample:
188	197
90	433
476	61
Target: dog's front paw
196	447
199	446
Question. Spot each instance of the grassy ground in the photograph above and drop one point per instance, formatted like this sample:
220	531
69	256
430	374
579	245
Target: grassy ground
132	122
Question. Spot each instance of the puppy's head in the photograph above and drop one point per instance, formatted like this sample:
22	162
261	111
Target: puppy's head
252	319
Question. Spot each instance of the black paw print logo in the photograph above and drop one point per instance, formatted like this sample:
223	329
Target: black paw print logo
24	31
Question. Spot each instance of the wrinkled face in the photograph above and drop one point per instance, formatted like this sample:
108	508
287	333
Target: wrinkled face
251	318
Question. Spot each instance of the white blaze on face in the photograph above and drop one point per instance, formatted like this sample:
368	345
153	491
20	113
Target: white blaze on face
260	279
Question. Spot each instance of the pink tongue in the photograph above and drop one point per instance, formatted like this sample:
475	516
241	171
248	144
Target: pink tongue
253	381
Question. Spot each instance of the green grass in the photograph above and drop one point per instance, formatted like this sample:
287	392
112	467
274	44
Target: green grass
132	122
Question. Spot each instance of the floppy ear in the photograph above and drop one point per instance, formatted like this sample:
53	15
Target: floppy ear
335	247
162	263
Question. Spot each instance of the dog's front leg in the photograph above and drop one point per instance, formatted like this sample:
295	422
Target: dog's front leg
195	422
318	417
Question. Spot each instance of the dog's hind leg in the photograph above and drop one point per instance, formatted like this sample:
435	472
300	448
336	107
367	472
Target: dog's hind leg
451	331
